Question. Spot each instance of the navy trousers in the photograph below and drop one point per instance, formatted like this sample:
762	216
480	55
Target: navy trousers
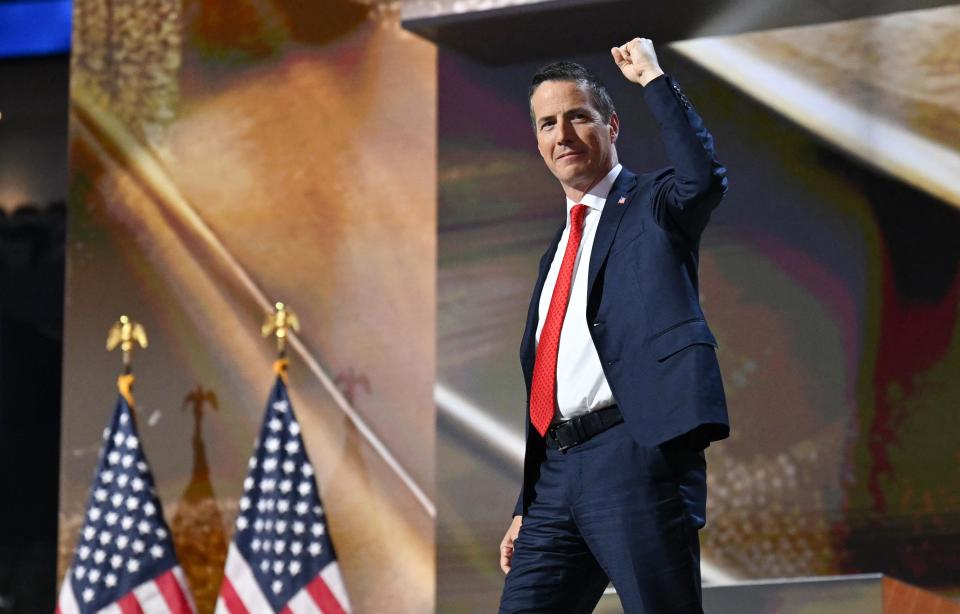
611	509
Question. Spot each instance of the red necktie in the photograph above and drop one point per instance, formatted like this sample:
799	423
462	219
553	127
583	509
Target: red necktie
543	393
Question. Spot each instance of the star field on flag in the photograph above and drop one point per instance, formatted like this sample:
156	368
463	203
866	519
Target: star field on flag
124	555
281	557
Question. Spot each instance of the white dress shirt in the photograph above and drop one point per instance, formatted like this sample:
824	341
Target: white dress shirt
581	385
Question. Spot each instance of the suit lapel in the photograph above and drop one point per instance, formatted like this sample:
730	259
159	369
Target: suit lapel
533	313
613	211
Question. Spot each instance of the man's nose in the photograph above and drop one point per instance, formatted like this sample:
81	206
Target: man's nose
563	133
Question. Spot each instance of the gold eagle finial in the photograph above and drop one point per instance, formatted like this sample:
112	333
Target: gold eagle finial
279	323
127	334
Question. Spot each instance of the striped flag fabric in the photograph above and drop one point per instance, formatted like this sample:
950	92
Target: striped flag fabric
124	561
281	558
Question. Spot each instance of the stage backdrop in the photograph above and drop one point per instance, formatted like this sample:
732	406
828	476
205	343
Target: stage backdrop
226	154
829	275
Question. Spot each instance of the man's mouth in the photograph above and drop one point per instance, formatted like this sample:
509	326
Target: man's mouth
568	154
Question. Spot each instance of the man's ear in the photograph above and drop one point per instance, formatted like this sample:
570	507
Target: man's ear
614	127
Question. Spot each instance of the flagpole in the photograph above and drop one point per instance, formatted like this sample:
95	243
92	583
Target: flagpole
279	323
126	334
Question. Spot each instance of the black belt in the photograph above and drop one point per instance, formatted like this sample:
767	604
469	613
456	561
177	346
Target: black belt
577	430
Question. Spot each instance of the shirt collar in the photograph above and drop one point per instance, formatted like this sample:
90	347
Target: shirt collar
597	195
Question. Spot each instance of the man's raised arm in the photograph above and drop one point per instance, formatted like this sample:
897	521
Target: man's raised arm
694	187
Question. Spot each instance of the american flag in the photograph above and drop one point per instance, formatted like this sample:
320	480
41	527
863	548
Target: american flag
124	560
281	558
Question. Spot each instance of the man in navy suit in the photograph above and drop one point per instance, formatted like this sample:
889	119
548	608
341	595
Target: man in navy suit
624	388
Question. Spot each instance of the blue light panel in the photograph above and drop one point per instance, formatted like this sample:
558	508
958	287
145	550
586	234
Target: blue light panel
34	28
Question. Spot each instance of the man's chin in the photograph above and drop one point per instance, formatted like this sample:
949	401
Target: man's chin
573	165
574	180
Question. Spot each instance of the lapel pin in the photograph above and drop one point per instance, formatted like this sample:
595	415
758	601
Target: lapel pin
622	200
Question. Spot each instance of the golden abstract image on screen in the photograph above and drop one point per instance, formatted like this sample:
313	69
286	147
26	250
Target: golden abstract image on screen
225	156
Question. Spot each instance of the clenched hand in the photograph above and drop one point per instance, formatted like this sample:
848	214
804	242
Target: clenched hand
637	60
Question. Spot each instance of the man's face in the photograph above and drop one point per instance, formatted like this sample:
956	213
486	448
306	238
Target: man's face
576	144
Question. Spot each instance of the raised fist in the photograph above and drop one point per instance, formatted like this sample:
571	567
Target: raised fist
637	60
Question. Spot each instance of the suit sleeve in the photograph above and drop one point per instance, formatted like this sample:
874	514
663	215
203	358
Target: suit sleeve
687	193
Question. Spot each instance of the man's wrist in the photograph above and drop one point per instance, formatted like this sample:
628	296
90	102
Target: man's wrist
654	75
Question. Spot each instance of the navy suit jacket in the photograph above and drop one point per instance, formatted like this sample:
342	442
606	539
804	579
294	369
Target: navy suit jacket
643	307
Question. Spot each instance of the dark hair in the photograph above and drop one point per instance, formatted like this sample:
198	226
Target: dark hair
571	71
